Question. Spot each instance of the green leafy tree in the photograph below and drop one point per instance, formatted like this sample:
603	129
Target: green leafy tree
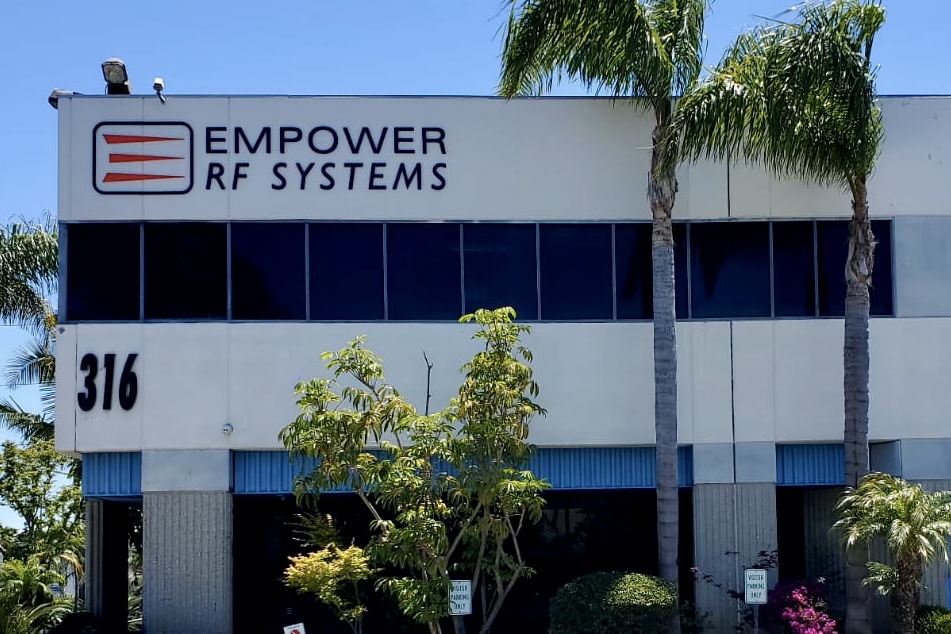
648	51
32	484
915	526
798	95
449	492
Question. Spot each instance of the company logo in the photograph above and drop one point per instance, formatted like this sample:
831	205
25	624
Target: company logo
143	158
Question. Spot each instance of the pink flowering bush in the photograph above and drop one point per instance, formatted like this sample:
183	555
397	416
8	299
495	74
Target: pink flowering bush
803	612
797	607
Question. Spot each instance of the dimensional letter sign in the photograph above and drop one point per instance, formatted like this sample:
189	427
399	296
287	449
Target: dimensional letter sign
754	586
128	388
143	158
158	157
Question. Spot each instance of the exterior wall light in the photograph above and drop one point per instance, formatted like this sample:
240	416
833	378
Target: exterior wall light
56	94
117	79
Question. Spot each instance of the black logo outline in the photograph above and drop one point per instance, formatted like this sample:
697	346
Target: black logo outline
191	158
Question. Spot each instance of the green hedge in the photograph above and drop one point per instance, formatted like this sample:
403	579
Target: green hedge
613	603
933	619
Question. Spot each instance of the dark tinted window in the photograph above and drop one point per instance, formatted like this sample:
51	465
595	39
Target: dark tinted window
635	282
833	248
346	271
794	269
729	269
267	270
186	271
681	272
102	272
632	245
881	291
500	267
422	271
576	268
833	243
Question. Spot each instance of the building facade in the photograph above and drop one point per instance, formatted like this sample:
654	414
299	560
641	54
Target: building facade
213	247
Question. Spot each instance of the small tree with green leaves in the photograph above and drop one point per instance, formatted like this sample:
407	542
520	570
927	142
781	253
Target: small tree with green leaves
449	492
915	525
332	573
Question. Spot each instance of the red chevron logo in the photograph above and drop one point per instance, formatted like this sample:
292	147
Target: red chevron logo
123	163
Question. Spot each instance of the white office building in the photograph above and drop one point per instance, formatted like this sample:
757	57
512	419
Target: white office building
213	247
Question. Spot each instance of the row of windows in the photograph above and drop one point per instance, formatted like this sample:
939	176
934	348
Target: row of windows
437	271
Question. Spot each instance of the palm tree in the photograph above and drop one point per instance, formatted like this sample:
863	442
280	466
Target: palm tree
29	256
647	51
27	602
29	263
915	525
33	364
799	97
30	582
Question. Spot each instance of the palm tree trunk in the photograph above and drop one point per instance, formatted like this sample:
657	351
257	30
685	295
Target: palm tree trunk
906	597
858	276
662	190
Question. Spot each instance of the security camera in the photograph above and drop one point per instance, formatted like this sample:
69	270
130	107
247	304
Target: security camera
227	428
159	85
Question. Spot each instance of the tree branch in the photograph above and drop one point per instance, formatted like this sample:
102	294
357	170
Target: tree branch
429	374
458	539
369	505
514	533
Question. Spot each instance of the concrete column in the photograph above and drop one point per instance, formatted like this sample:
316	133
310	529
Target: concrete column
734	507
187	539
107	563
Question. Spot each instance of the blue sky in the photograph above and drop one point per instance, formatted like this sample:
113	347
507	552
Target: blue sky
317	47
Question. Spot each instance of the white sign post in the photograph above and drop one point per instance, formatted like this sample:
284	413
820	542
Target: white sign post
294	629
460	598
754	592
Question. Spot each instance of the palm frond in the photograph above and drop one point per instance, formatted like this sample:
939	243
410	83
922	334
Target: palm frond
627	49
914	523
29	263
685	46
797	96
27	424
33	363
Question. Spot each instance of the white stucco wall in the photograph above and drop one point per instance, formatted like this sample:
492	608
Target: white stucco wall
596	380
555	159
532	159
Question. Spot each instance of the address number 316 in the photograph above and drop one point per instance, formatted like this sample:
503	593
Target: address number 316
128	387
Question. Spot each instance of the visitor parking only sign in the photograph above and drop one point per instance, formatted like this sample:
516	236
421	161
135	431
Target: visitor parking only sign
460	598
754	586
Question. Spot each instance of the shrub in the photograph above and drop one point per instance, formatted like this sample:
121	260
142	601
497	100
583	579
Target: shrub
333	574
796	607
933	619
613	603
